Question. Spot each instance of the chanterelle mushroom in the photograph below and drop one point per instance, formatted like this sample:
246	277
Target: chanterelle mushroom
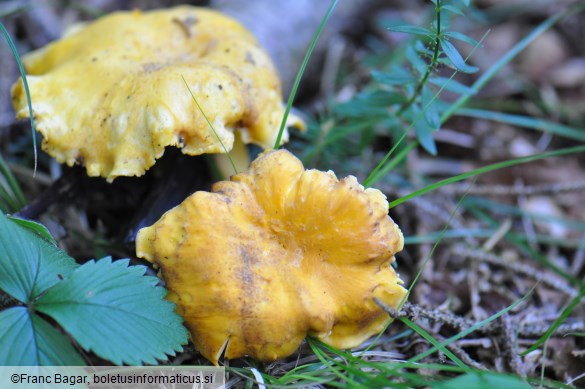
276	254
111	93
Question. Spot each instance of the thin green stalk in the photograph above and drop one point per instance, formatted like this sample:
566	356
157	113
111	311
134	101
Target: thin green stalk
374	176
526	122
520	242
437	344
321	356
485	169
443	231
226	151
12	183
395	161
26	90
300	73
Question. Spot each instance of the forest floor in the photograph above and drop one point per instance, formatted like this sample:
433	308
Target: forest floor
513	237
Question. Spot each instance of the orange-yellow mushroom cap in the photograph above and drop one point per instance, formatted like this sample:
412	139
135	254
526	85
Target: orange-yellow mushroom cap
275	254
111	93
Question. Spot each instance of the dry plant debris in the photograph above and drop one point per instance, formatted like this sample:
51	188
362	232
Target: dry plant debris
276	254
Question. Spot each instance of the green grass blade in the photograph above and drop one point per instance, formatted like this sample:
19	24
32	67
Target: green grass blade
226	151
501	208
525	122
451	234
374	176
566	312
7	202
486	169
471	329
13	185
430	254
381	172
528	39
330	365
300	73
488	232
27	91
434	342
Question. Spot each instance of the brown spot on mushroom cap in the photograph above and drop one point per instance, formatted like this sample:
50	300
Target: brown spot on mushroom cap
293	252
138	83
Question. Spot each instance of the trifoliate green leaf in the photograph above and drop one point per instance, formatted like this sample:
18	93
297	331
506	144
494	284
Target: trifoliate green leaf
28	340
29	264
117	312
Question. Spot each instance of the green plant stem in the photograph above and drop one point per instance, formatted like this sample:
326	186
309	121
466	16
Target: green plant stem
431	66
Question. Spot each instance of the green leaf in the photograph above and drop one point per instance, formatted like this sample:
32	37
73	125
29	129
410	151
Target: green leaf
35	227
423	130
452	8
33	342
430	111
398	76
462	37
456	58
369	103
117	312
526	122
417	63
29	265
451	85
481	380
409	29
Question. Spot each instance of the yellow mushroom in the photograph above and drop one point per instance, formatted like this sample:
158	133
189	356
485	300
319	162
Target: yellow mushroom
275	254
111	93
